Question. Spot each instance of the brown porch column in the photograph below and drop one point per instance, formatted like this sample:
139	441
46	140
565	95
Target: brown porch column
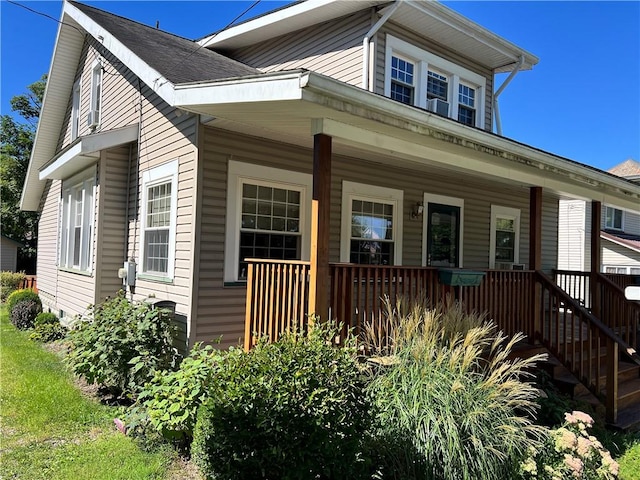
535	257
596	255
322	194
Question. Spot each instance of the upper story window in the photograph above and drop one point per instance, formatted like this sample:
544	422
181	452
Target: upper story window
75	111
93	119
435	84
613	218
76	223
157	248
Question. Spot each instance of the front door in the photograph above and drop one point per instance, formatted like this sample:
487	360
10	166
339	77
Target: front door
443	235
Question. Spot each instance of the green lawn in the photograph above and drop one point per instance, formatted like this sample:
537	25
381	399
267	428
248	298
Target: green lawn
49	430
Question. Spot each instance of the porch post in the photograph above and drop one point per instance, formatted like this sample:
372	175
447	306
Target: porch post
322	195
535	255
596	256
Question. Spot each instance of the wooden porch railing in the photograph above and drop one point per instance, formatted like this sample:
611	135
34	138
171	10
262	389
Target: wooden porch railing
622	280
584	344
29	282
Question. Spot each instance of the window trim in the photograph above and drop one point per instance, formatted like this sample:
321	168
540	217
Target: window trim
81	178
75	109
455	73
626	267
239	173
504	212
366	192
96	100
167	172
441	200
613	227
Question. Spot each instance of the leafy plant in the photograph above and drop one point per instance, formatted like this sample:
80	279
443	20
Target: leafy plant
10	282
292	409
449	404
22	295
122	345
571	452
171	399
24	313
47	328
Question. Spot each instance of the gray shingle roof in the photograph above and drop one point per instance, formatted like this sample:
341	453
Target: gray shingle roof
180	60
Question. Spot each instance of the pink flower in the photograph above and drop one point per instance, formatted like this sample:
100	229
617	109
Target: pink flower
578	417
574	464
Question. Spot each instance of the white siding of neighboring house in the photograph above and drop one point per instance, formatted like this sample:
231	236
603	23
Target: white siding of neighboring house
571	235
220	309
617	255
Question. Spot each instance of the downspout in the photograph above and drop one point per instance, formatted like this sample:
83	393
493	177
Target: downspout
496	110
366	44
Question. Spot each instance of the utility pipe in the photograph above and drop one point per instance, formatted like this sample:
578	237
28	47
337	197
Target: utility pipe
366	45
496	110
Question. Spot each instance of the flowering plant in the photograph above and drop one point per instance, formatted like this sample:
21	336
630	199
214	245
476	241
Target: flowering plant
570	452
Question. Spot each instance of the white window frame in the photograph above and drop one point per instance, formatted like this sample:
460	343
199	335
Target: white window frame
75	110
441	200
613	227
97	78
423	62
165	173
86	181
373	193
498	211
627	268
240	173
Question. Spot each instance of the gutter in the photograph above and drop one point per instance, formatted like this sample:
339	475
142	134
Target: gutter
366	45
496	109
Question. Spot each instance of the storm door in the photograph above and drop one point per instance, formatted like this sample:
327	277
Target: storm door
443	235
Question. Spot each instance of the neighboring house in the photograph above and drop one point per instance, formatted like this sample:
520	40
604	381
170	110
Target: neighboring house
185	158
8	254
620	234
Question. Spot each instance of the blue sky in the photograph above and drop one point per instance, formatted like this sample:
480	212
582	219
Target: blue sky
582	101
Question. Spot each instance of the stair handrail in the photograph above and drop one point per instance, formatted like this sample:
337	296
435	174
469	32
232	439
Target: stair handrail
615	287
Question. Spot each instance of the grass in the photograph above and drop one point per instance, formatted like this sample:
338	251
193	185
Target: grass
630	462
49	430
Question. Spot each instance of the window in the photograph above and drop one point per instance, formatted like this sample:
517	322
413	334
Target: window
505	237
96	94
622	270
76	225
267	216
613	218
75	111
432	81
371	224
157	248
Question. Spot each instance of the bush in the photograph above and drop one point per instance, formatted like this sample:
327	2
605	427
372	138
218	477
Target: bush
451	405
293	409
571	452
47	328
22	295
24	313
122	345
9	282
172	399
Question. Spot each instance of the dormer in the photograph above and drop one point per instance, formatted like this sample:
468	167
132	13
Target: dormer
420	52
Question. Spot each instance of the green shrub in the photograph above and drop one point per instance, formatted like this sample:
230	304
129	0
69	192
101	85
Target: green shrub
24	313
9	282
22	295
450	405
293	409
571	452
47	328
171	399
122	345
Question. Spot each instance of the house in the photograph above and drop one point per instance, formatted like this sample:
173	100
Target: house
309	160
620	236
8	254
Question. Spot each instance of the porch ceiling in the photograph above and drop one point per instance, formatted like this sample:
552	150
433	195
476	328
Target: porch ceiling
372	127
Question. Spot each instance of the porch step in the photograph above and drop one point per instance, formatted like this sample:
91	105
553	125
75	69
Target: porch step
629	394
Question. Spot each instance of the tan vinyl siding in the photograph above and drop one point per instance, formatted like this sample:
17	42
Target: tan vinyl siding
571	235
47	251
221	309
331	48
429	45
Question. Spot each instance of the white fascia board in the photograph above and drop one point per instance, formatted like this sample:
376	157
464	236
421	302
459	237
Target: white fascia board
261	88
148	75
86	151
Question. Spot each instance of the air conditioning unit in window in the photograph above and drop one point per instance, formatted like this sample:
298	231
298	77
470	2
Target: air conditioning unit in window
517	266
504	266
93	118
438	106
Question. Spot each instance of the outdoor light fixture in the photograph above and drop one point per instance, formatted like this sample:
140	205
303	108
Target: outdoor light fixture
417	210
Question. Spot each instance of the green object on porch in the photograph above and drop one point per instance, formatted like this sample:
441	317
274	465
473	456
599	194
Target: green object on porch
460	278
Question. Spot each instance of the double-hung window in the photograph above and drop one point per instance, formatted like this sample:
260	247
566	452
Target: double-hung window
505	237
433	83
159	220
75	111
371	230
76	221
267	217
613	218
